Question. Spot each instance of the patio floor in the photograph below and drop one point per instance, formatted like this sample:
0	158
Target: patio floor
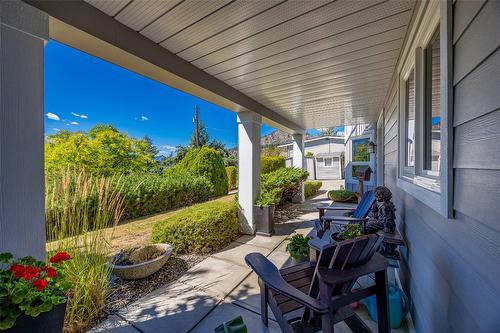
219	288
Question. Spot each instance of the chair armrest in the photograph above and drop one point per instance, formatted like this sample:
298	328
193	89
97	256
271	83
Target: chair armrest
343	219
272	278
335	276
337	208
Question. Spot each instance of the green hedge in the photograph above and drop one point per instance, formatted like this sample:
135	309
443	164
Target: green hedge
286	180
148	194
202	228
232	177
143	194
206	162
271	163
311	187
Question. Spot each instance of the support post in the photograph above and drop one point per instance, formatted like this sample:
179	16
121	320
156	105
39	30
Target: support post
248	168
298	161
23	33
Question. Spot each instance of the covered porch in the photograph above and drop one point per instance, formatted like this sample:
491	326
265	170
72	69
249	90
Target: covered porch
297	65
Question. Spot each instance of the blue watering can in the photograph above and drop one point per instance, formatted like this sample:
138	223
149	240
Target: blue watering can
398	306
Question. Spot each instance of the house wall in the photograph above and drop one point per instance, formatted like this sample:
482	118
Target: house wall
451	267
320	146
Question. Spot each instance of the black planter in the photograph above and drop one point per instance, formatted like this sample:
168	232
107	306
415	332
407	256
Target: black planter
264	220
46	322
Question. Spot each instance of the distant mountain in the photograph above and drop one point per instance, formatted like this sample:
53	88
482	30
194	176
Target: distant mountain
278	137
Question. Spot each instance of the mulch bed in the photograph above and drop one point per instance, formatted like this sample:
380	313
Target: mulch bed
123	292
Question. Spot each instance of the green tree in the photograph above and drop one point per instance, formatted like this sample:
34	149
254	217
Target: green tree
102	151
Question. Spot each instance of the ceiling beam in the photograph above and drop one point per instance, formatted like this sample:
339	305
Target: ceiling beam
76	22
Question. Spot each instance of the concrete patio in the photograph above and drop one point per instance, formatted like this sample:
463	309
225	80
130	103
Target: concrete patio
221	287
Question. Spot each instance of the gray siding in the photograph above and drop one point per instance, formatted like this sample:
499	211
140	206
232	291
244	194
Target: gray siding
451	268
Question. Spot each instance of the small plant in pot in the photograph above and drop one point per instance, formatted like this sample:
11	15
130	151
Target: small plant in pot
348	231
140	261
32	294
342	196
264	211
298	248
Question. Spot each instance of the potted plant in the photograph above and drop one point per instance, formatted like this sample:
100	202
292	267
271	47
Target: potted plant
342	196
298	248
264	211
32	294
348	231
140	261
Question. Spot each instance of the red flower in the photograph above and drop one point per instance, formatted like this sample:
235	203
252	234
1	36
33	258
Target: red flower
51	273
60	257
18	270
31	272
40	284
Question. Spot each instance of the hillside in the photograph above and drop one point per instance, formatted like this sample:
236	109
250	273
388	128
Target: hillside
278	137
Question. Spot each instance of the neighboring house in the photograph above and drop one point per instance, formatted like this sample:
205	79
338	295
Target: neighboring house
357	157
323	157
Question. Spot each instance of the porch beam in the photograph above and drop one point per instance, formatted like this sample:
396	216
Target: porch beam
23	33
248	168
298	161
82	26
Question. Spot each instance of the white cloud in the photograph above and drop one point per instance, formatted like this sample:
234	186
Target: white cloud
142	118
83	116
73	123
56	129
52	116
166	150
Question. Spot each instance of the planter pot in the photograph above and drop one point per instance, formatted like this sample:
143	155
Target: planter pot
299	260
46	322
142	270
264	219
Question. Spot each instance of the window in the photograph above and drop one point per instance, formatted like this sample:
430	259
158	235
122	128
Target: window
328	162
432	107
360	150
410	119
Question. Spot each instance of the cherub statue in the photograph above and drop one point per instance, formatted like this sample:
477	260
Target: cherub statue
381	216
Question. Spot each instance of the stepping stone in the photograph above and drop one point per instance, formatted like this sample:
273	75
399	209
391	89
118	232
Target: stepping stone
114	324
261	241
235	253
175	308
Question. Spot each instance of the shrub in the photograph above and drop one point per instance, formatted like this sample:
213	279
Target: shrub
342	195
271	163
311	187
202	228
232	177
206	162
287	180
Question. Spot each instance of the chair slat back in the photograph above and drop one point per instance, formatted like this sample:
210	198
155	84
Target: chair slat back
364	205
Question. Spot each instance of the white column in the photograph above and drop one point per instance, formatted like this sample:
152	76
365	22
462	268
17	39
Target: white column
23	32
248	167
299	161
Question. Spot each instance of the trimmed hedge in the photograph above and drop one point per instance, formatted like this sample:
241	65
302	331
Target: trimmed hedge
232	177
148	194
287	180
205	162
202	228
271	163
311	187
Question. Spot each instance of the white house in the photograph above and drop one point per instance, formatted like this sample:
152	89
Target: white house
323	156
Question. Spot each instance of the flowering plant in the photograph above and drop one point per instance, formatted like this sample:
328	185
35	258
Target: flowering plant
30	287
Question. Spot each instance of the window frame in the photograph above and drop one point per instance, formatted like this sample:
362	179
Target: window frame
433	190
324	162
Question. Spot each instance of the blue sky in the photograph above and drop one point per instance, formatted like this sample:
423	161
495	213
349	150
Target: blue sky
82	90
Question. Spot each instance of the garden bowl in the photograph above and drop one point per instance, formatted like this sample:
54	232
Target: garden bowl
143	269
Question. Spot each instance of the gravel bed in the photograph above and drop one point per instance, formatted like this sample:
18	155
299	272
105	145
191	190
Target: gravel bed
123	292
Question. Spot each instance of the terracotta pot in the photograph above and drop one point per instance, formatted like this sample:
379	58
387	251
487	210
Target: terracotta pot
46	322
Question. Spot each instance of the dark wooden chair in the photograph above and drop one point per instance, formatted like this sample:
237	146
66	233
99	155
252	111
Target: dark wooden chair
315	295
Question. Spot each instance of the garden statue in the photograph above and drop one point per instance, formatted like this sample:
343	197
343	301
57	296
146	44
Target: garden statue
381	216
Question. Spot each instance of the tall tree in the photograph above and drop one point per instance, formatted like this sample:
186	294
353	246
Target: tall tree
199	137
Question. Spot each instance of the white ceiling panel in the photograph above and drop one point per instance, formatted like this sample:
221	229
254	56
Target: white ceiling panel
141	13
317	63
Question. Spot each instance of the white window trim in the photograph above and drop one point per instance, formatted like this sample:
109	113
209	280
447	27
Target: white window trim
324	162
435	192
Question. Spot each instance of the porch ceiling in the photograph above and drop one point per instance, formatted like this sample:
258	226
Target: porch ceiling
318	63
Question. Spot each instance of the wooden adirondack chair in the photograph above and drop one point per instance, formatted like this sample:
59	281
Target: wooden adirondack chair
315	295
350	216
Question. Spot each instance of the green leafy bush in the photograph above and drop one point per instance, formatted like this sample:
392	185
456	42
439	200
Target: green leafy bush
232	177
298	246
287	180
311	187
342	196
202	228
271	163
206	162
268	198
